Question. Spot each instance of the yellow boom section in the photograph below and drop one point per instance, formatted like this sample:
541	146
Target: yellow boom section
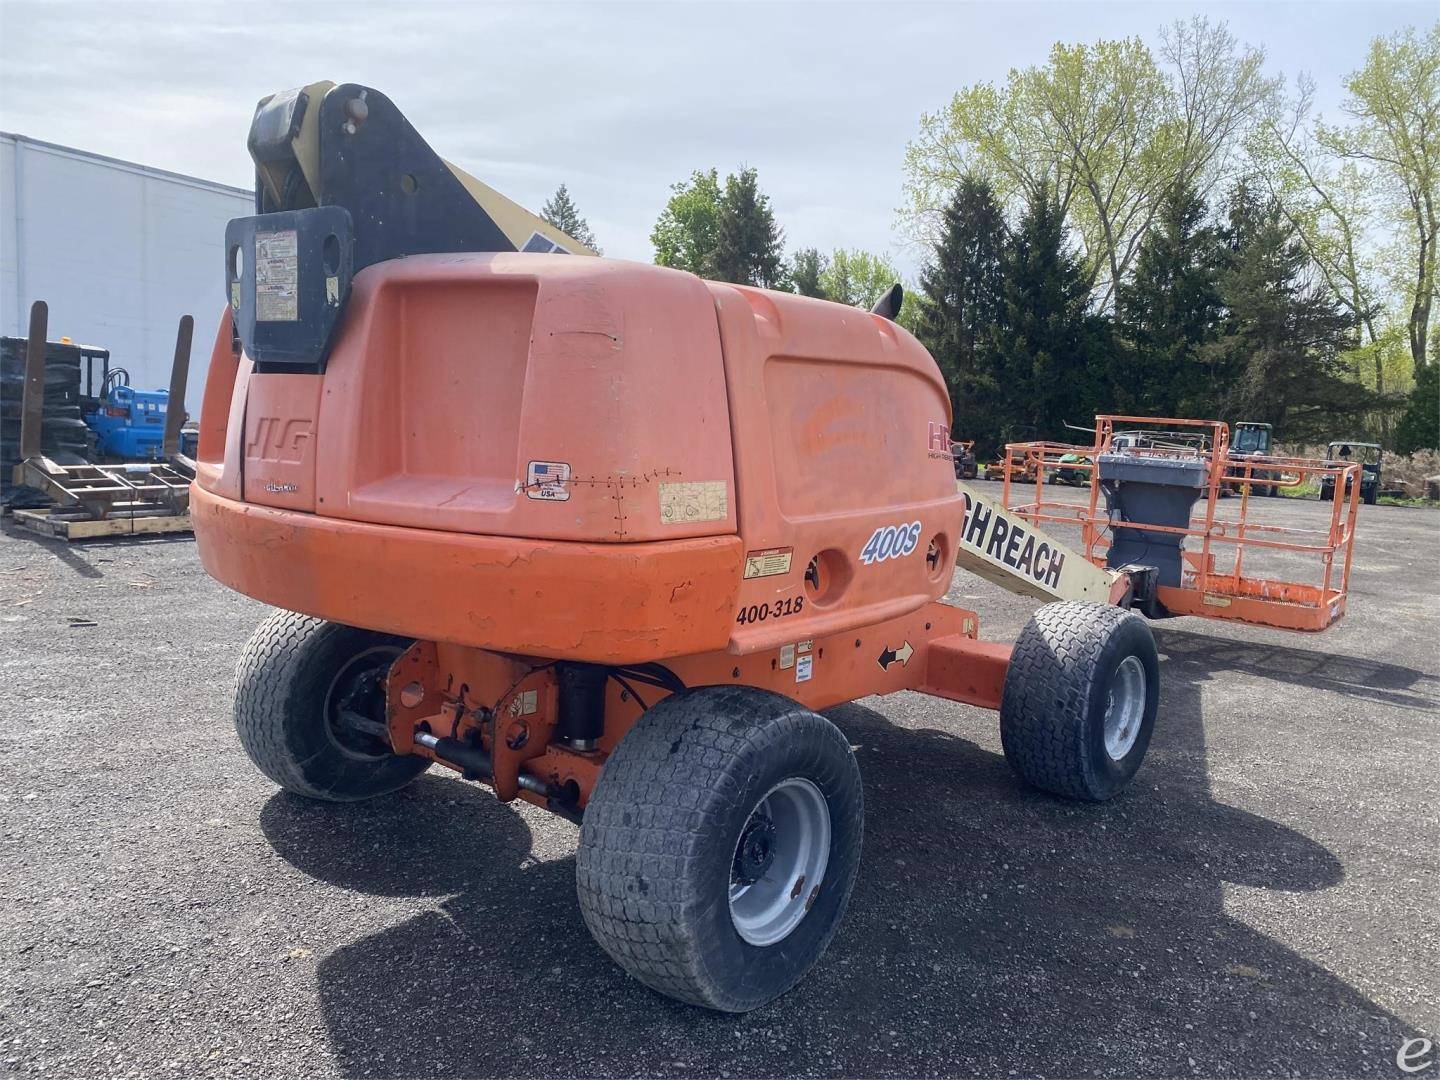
517	223
1006	550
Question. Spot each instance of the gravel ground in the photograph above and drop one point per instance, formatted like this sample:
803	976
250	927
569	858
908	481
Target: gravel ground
1262	902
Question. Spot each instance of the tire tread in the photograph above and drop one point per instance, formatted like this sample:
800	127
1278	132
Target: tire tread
664	796
1051	677
275	676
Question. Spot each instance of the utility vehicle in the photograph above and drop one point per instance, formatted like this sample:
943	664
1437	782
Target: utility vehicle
607	537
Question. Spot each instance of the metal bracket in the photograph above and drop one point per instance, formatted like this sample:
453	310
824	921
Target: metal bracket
288	277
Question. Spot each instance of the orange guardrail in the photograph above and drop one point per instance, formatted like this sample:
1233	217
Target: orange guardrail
1217	543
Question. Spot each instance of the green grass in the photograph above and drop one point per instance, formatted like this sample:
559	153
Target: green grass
1391	500
1312	491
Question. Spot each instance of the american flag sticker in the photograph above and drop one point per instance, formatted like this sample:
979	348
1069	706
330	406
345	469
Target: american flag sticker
548	481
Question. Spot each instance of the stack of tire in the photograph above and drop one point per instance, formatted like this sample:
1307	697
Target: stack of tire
64	437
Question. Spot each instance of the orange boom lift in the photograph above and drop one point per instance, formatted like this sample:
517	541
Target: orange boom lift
606	537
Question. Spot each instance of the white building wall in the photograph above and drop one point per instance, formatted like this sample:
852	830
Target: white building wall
119	252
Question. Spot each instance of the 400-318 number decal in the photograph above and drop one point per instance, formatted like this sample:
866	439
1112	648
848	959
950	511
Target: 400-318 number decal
890	542
792	605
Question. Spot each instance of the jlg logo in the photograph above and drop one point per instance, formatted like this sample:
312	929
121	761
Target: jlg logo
277	440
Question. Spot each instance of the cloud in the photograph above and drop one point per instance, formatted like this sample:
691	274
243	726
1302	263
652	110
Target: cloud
617	101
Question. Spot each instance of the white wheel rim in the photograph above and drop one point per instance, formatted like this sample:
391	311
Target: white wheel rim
1125	708
768	909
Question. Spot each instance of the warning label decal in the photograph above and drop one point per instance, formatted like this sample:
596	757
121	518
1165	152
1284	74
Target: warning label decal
277	276
769	562
525	703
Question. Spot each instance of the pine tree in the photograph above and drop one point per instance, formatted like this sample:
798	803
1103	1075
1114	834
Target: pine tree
1167	313
1419	426
961	289
806	267
1279	359
560	211
748	243
1044	336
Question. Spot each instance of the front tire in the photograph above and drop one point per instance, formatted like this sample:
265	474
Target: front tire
300	683
720	846
1080	698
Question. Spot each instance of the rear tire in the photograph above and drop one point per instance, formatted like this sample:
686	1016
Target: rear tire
720	846
1079	701
295	677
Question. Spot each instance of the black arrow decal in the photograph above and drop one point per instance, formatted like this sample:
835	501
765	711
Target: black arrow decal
902	654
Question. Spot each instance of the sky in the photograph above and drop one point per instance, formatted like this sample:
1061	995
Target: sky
617	101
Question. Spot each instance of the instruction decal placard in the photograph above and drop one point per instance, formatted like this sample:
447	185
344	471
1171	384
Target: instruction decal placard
690	502
277	276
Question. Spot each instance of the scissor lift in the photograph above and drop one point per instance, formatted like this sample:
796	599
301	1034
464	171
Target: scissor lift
103	499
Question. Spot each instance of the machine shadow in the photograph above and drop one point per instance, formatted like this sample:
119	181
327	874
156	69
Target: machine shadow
993	929
1353	676
73	553
435	837
63	550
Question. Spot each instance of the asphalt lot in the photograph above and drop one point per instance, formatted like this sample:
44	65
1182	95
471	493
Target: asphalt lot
1263	902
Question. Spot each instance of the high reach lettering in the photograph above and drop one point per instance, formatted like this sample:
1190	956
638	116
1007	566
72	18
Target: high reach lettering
1006	541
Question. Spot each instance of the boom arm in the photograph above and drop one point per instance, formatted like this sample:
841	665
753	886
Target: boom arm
343	181
1006	550
348	145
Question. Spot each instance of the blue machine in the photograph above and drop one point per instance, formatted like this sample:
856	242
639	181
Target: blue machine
129	423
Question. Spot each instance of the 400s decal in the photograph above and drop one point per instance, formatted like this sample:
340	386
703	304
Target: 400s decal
890	542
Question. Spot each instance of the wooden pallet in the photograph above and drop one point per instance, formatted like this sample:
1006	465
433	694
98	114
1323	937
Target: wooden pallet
78	525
